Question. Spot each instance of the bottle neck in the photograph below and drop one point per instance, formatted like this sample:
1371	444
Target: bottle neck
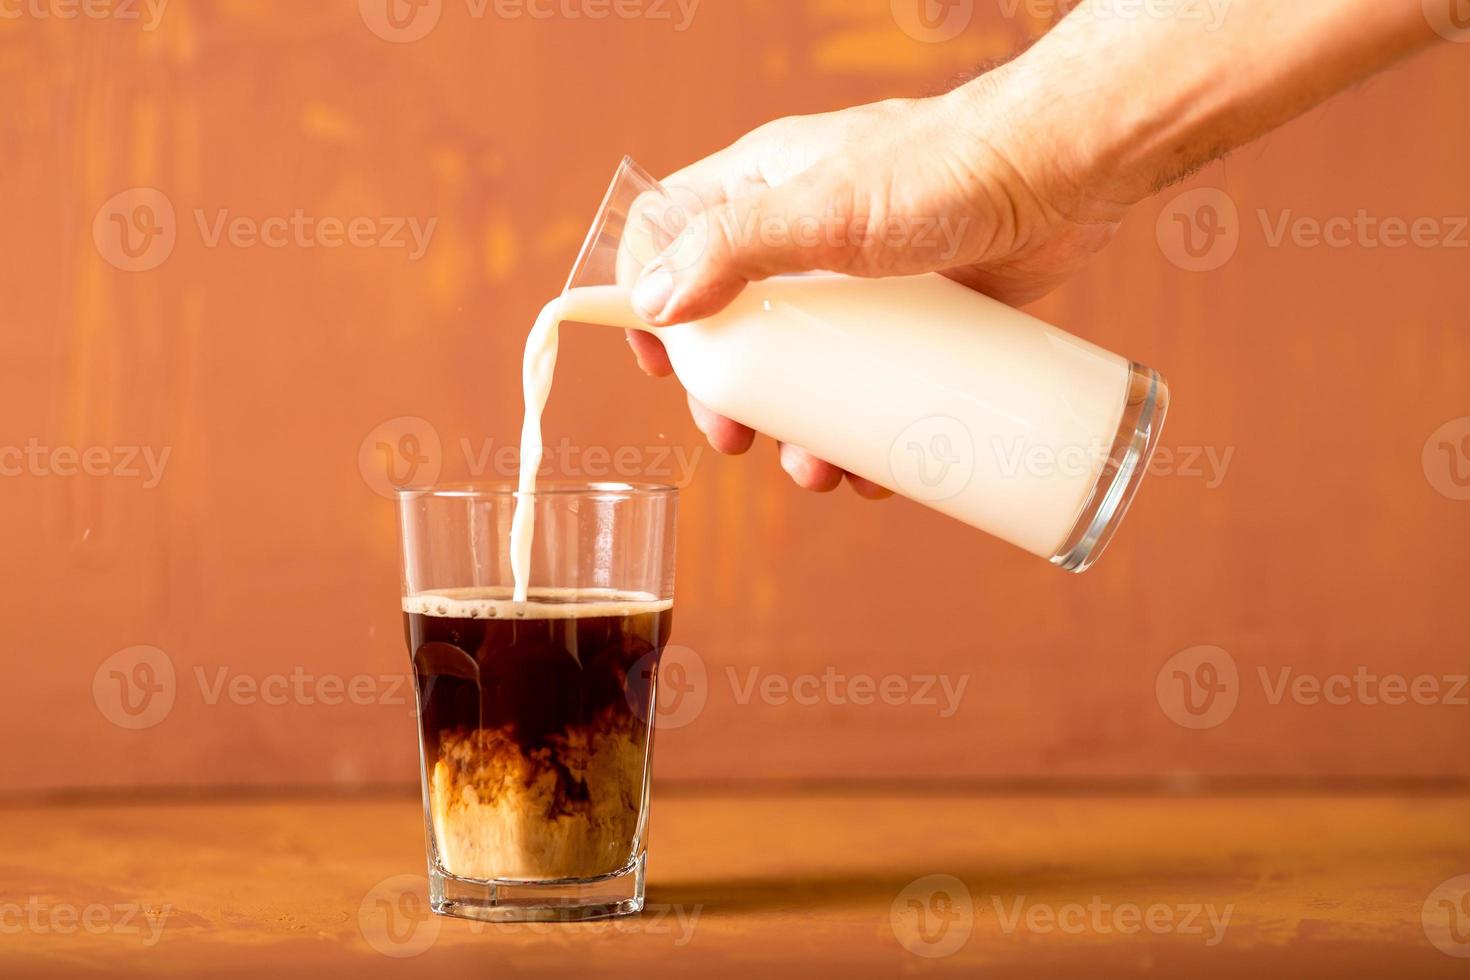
610	306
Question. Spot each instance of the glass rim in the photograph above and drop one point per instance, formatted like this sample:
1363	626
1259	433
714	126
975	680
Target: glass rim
625	167
544	488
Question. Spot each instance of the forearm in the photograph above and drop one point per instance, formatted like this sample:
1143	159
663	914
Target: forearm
1129	103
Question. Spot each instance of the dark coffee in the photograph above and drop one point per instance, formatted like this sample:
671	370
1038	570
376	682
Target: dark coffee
535	719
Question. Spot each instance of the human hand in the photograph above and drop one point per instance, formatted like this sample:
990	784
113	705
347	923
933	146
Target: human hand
1024	172
893	188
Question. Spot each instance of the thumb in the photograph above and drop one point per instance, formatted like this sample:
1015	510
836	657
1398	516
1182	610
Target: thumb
791	228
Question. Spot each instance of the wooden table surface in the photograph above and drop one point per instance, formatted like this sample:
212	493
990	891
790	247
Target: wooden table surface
806	883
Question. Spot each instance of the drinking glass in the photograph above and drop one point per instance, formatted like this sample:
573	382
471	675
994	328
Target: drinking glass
535	718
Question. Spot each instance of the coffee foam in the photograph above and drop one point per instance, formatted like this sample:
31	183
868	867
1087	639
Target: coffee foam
491	603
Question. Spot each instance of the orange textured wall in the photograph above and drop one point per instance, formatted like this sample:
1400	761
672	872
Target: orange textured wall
1314	519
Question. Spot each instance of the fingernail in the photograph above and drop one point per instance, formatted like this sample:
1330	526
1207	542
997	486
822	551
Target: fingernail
637	357
653	292
791	459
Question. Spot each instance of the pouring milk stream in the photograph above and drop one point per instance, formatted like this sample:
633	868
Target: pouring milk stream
916	383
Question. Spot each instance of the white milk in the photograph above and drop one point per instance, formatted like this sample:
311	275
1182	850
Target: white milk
917	383
536	371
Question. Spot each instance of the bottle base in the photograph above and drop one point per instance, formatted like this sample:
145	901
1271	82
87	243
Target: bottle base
1144	409
567	900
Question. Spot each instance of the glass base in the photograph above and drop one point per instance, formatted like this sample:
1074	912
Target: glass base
1144	408
568	900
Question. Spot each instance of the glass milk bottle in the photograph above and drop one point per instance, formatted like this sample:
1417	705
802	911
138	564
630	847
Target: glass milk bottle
916	383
